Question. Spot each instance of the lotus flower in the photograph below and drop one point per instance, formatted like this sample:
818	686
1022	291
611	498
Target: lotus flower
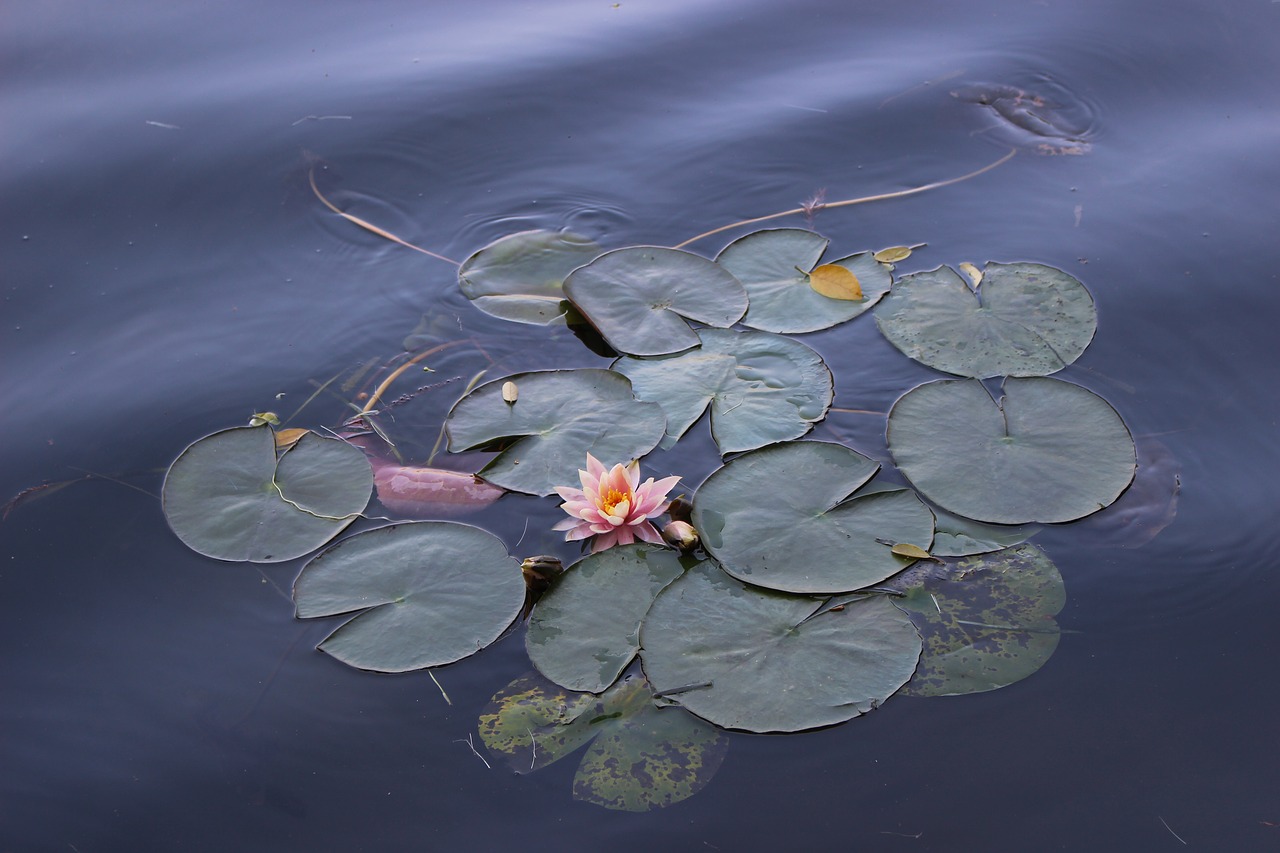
613	505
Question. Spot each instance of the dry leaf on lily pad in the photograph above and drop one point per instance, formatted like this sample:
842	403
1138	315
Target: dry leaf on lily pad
835	282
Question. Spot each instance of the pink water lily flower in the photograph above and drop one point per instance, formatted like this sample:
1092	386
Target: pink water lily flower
613	505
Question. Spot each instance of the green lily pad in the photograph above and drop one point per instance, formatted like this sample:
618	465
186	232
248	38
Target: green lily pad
1050	451
987	621
774	266
585	631
429	593
558	418
230	497
639	298
748	658
643	757
761	387
520	277
1023	320
954	536
781	517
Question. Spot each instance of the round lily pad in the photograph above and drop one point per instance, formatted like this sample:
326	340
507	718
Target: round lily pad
781	517
639	298
585	631
230	497
774	266
558	417
987	621
520	277
1048	451
643	757
428	593
1022	320
761	387
748	658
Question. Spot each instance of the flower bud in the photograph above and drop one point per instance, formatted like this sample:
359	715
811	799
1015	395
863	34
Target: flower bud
681	534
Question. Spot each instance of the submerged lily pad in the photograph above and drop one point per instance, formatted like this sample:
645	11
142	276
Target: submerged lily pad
429	593
1022	320
781	517
1049	451
560	417
643	757
586	630
987	621
761	387
520	277
748	658
774	266
230	497
640	297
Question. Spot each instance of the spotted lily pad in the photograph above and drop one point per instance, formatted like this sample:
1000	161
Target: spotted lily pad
761	387
426	593
639	298
987	621
586	630
231	497
642	758
774	266
749	658
559	417
520	277
1022	320
782	517
1047	451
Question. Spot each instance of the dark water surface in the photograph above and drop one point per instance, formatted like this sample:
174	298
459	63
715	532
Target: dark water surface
166	272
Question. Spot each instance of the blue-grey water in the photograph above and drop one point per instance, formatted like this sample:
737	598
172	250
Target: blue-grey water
166	272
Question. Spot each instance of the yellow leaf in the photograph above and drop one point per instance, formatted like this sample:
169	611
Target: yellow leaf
973	273
289	437
912	552
893	254
836	282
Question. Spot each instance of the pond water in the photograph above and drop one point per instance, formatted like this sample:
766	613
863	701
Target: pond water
167	272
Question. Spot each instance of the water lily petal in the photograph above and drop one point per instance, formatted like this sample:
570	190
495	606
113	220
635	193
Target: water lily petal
647	532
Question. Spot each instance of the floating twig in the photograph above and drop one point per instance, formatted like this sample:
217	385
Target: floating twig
447	700
369	226
1171	832
809	208
469	742
319	118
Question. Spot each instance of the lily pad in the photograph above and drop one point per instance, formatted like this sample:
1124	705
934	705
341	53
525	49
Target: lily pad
428	593
954	536
748	658
643	757
987	621
781	517
1022	320
1049	451
560	417
761	387
774	266
586	630
520	277
639	298
230	497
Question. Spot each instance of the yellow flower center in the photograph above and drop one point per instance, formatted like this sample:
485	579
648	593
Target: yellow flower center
612	499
